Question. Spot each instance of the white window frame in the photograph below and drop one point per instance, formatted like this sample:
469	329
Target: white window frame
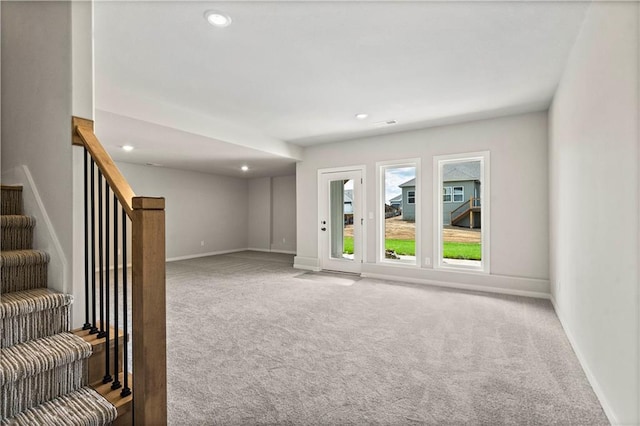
449	193
453	194
485	218
381	167
409	197
363	170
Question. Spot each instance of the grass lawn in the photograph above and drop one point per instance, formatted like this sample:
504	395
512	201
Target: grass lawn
348	245
402	247
471	251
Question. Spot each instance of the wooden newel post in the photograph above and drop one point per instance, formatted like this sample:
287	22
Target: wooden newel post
149	312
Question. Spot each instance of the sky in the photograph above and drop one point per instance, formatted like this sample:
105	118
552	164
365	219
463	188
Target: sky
393	177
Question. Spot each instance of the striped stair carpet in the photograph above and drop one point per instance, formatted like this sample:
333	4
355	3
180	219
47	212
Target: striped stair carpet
42	366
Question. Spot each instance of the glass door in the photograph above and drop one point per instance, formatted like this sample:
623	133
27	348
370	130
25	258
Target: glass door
341	221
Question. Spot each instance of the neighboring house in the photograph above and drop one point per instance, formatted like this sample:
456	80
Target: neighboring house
348	201
461	194
409	200
396	202
348	206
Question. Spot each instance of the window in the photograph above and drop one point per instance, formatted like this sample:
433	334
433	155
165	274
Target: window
398	213
461	234
458	194
446	193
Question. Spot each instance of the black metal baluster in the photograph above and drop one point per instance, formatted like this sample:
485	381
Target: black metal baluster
116	383
87	324
100	256
125	390
94	329
107	372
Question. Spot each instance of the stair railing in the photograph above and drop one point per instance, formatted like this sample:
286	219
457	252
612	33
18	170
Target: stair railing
474	202
103	183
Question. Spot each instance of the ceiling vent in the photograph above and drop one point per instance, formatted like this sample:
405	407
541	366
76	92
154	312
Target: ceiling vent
385	123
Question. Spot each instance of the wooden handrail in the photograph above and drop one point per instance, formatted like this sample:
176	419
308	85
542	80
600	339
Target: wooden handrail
464	207
83	135
147	216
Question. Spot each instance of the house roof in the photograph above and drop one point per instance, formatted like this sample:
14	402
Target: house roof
461	171
411	182
397	198
453	173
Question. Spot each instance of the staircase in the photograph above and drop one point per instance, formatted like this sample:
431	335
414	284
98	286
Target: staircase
467	214
43	367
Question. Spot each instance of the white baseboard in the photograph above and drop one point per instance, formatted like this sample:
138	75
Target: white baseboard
211	253
595	385
473	287
306	263
271	250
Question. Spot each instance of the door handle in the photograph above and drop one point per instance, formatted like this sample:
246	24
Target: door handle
323	229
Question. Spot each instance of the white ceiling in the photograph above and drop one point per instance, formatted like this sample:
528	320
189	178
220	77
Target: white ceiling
168	147
289	74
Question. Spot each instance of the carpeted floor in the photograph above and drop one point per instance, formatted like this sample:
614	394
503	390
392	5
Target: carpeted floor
253	341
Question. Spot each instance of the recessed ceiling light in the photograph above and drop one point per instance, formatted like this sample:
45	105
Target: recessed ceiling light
217	19
362	116
127	148
244	168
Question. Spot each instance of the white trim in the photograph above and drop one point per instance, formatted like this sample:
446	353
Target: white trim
485	195
595	385
460	286
307	263
281	251
212	253
362	167
270	250
381	201
322	203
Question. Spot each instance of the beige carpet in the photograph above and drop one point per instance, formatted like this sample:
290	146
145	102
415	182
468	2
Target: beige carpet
253	341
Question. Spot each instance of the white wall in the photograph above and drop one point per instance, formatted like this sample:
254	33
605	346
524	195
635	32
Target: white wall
36	116
283	207
259	214
272	214
199	207
594	186
519	220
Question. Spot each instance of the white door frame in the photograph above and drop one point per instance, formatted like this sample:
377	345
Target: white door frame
359	243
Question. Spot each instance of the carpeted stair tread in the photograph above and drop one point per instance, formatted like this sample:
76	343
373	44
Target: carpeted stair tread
40	370
23	270
36	356
83	407
23	257
11	200
30	301
32	314
17	221
17	232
